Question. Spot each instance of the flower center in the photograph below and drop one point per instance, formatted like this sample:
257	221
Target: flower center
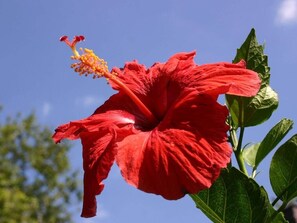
89	63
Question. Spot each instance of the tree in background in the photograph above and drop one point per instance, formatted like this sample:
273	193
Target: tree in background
36	183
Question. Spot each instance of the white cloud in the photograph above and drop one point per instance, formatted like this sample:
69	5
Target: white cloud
46	109
88	101
287	12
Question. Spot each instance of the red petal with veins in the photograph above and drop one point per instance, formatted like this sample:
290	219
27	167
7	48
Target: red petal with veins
184	154
97	133
170	163
215	79
226	78
98	157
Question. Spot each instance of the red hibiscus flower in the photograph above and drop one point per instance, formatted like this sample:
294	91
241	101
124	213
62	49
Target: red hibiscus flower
164	127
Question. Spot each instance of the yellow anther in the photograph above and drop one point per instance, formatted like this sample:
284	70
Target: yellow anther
90	63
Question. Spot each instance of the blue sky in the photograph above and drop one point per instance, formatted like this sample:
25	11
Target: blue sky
35	73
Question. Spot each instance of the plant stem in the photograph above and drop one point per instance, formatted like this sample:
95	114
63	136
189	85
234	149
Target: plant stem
238	150
240	162
240	139
233	139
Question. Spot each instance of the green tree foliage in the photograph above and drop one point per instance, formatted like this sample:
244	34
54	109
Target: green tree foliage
36	183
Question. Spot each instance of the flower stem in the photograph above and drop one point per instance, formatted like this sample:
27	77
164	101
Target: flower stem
237	144
240	162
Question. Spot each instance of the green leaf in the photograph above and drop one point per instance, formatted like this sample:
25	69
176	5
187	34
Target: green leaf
234	198
274	136
279	218
275	217
253	54
253	110
249	154
257	152
283	170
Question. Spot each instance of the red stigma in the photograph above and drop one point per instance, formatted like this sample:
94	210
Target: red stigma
74	41
63	38
79	38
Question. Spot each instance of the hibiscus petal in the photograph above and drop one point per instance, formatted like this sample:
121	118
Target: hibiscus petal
159	86
155	82
216	78
98	157
135	76
91	189
184	154
109	119
226	78
170	163
98	134
121	104
179	62
193	111
201	114
139	79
